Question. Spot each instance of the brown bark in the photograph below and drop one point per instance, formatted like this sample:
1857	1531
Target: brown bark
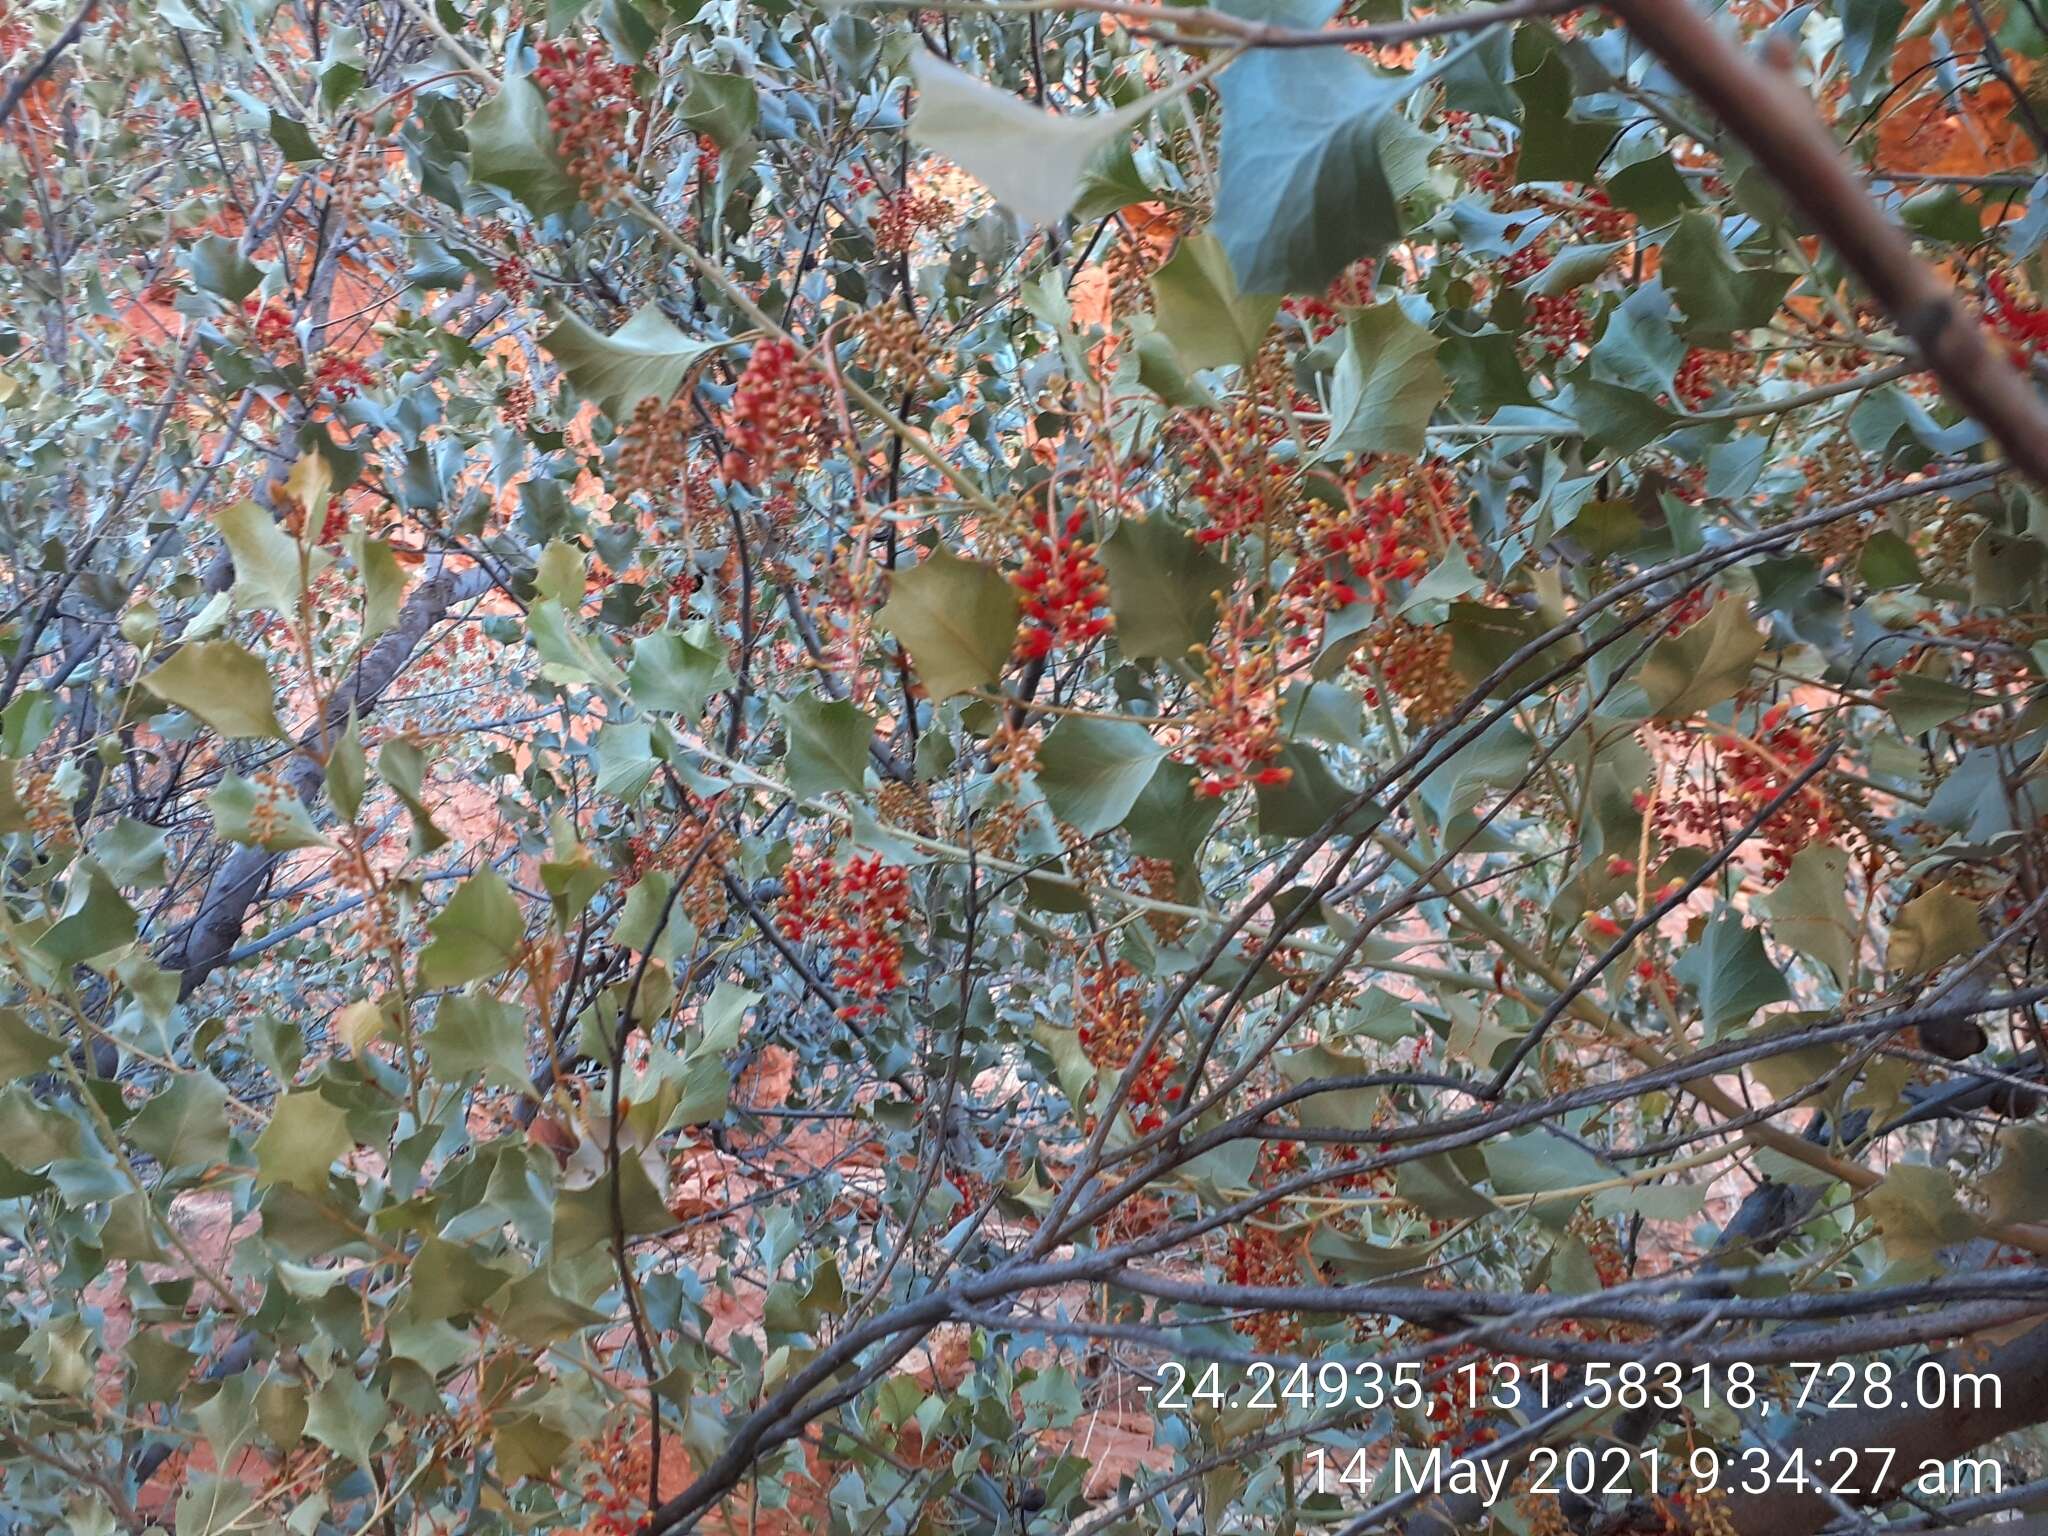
1777	124
234	887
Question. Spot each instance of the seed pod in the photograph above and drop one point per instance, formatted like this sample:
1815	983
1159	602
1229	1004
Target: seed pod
1956	1039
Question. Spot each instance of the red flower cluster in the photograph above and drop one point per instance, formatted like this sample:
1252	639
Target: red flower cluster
590	100
854	908
1607	222
1237	479
1063	585
1392	534
1233	730
615	1482
1559	322
339	377
513	278
1701	374
1416	663
1352	289
270	321
1263	1255
1112	1024
2023	325
1749	774
775	409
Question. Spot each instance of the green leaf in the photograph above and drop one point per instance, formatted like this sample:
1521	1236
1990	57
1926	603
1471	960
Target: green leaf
1476	78
1092	771
1920	703
267	560
957	619
1306	185
646	358
1889	561
531	1311
449	1280
512	150
96	919
1162	588
185	1126
1693	671
219	267
1870	29
1199	309
1347	1109
290	135
1169	820
1651	189
1536	1163
223	685
24	1049
725	106
1623	419
476	935
1935	927
404	767
305	1135
1810	909
828	745
1555	145
1718	296
1031	161
1729	970
383	582
1386	386
285	824
346	1416
676	672
475	1033
346	768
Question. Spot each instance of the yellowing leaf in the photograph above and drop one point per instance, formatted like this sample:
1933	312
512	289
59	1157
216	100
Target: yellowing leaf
270	569
1200	310
958	620
1935	927
305	1135
223	685
1694	671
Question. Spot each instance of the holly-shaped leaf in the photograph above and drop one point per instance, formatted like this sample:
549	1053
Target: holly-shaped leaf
305	1135
828	745
1162	588
1728	969
646	358
1707	663
1030	160
476	935
1386	386
1935	927
223	685
957	619
512	150
185	1126
1092	771
1199	310
1308	183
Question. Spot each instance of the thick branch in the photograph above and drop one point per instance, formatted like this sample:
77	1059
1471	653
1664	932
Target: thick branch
1777	124
218	926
